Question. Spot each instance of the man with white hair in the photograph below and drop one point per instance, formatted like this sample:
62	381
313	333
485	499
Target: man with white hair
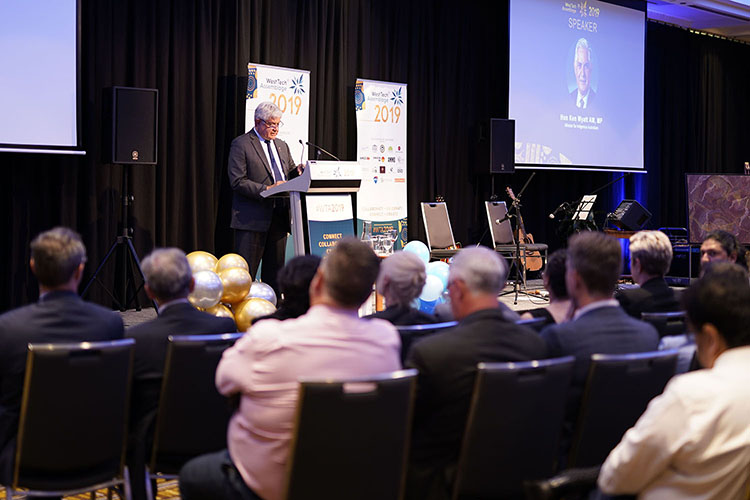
258	161
169	281
447	364
583	95
650	257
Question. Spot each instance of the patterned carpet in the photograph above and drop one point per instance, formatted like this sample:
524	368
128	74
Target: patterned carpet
167	491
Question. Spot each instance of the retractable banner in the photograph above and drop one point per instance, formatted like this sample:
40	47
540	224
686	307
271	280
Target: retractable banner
289	89
381	150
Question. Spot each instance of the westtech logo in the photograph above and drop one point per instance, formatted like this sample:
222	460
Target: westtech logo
298	85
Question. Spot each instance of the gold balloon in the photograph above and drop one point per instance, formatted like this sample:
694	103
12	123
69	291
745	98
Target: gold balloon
231	260
201	261
221	311
208	289
246	311
236	281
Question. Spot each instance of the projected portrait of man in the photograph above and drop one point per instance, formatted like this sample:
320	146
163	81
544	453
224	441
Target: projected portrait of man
583	95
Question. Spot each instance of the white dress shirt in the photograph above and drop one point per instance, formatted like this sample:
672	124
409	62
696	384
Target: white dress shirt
693	441
268	158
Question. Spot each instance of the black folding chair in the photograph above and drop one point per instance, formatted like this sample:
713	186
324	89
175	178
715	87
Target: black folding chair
437	226
192	417
667	323
513	428
413	333
351	438
73	423
618	389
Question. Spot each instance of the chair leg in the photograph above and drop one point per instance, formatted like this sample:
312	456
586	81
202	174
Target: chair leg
149	491
126	483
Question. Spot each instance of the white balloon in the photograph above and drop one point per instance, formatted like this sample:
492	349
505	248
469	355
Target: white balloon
432	289
262	290
208	289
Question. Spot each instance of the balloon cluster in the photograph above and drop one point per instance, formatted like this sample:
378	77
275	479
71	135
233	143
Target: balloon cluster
434	291
224	287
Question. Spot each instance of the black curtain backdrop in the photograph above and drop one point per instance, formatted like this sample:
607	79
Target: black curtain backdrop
454	60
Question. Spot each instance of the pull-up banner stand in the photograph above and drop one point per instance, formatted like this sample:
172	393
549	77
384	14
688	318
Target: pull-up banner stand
381	150
289	89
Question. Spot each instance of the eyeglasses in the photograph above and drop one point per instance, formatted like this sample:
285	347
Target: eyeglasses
276	126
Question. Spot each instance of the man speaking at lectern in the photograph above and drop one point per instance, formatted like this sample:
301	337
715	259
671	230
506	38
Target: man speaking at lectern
258	161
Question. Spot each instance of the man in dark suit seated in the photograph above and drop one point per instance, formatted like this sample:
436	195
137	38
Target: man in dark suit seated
168	282
650	257
447	364
599	324
57	260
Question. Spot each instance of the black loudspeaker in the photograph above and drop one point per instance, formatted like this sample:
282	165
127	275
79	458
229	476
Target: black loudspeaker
130	125
502	146
629	215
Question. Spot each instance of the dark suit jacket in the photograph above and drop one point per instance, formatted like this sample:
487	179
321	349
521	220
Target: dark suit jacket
404	315
151	350
249	174
606	330
57	317
447	364
653	296
589	101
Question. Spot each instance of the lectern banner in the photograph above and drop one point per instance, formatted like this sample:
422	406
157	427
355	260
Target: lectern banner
381	145
329	218
289	89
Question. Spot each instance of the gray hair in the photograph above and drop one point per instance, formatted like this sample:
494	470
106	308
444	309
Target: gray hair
653	250
167	273
405	274
482	269
267	111
57	253
582	43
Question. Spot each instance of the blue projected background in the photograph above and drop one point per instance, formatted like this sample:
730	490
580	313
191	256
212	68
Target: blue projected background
550	129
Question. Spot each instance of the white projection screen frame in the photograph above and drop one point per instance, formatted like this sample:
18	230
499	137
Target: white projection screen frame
576	84
40	99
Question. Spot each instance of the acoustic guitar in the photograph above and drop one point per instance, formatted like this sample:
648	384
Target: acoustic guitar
533	260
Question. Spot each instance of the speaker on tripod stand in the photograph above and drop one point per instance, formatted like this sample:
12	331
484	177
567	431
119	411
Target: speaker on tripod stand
130	119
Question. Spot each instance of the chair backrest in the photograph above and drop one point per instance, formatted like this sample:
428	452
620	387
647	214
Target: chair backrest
618	389
351	438
536	324
502	234
667	323
437	226
513	428
412	333
192	417
74	413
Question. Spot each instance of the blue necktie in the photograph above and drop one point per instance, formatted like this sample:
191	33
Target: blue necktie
274	167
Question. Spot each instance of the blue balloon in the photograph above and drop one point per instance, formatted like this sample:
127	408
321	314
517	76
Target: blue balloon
427	306
439	269
419	249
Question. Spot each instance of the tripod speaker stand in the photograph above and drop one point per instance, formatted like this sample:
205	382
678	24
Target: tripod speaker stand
130	267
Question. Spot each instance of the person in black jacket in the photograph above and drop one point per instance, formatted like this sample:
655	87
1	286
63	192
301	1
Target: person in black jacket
447	364
294	284
650	257
169	281
58	257
401	279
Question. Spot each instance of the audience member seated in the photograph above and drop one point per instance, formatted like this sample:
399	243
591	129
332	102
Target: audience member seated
294	284
263	367
599	324
168	282
722	246
559	308
693	440
401	279
57	260
447	364
650	257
